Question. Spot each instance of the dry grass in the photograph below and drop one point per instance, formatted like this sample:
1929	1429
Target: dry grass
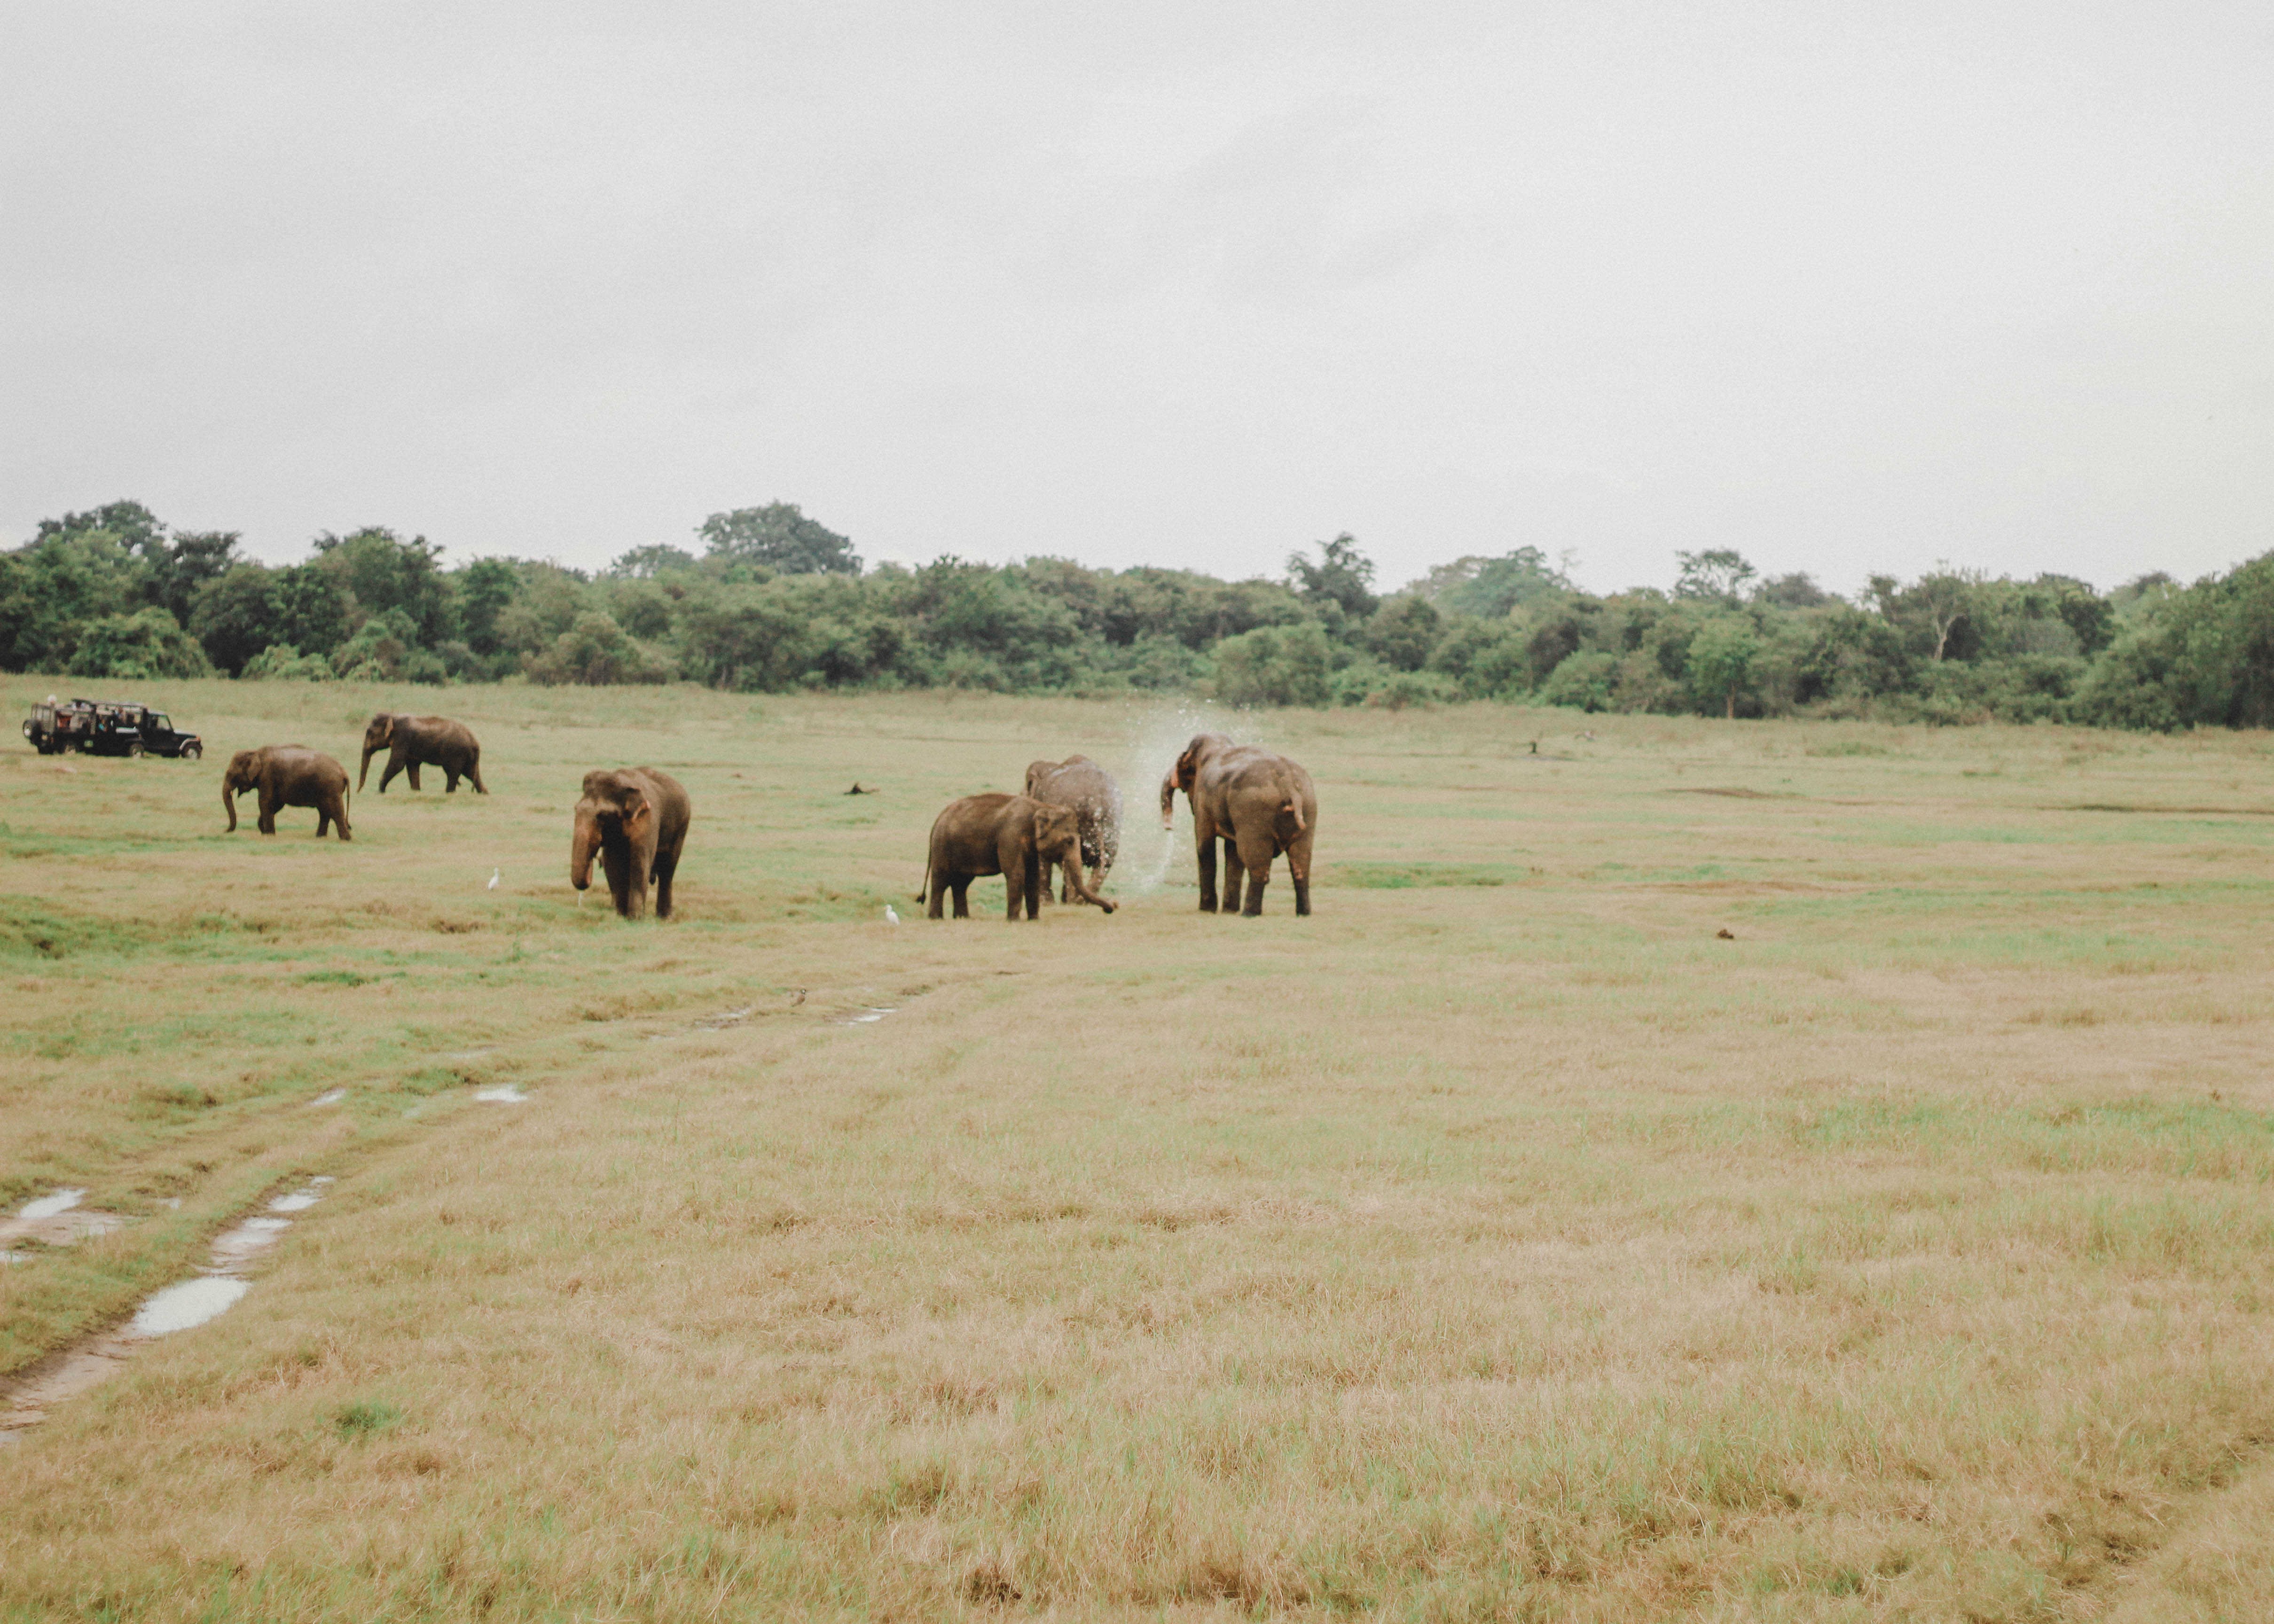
1499	1243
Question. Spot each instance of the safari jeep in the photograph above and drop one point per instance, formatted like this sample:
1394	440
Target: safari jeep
106	727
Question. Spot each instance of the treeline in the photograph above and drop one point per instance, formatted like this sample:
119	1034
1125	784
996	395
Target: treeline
776	601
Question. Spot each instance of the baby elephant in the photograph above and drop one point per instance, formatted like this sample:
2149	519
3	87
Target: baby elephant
636	819
288	775
1010	835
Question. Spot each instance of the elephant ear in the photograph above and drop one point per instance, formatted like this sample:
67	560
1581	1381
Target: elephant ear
635	814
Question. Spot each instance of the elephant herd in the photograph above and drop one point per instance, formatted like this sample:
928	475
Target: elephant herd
634	819
1258	804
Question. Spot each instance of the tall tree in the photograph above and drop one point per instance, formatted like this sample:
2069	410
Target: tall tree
1343	575
1718	573
781	538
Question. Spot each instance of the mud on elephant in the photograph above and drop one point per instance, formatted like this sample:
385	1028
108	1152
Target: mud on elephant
1081	783
288	775
635	818
1014	835
1257	803
415	741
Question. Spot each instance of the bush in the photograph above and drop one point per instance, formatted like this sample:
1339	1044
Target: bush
1274	666
1411	688
597	651
281	662
1581	682
148	644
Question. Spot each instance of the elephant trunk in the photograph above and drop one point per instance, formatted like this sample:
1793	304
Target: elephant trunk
364	778
1080	886
1169	799
229	801
582	844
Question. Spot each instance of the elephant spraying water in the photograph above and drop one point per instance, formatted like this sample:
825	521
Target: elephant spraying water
1257	802
1081	783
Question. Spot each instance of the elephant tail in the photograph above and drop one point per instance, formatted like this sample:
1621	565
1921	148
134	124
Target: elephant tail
1294	804
925	893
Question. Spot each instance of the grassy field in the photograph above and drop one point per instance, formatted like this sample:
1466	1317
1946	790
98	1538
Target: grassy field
1506	1241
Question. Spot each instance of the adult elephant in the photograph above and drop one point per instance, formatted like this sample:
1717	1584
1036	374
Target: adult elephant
1015	836
415	741
1081	783
635	818
288	775
1257	802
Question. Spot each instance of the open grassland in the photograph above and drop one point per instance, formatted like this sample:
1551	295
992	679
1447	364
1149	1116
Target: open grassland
1501	1242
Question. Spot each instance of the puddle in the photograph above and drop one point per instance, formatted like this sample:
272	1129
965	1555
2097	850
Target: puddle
192	1303
729	1018
865	1018
214	1290
330	1096
504	1093
55	1220
475	1053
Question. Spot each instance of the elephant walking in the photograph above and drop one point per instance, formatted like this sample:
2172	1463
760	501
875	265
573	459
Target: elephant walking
1257	802
1014	835
635	818
288	775
1081	783
415	741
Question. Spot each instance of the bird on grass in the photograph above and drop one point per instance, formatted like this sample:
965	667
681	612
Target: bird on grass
892	915
493	874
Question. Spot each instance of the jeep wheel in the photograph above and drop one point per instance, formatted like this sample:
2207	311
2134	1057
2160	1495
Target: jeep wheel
190	752
135	748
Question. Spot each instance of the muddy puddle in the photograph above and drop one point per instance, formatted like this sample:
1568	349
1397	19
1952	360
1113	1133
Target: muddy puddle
504	1093
213	1290
330	1096
869	1017
726	1018
54	1220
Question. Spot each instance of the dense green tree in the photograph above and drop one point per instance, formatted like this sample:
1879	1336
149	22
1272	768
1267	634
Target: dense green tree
646	563
1718	575
1488	588
147	644
1342	575
1720	659
1404	633
486	588
234	616
383	572
780	537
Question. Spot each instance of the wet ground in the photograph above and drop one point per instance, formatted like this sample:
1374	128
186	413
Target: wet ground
213	1290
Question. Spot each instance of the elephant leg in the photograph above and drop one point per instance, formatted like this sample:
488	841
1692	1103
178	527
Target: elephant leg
269	804
474	776
323	820
411	772
1298	870
449	780
1207	873
962	897
1232	875
394	766
340	816
666	864
1256	856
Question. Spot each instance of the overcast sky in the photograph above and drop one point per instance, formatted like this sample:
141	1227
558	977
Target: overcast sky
1848	289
